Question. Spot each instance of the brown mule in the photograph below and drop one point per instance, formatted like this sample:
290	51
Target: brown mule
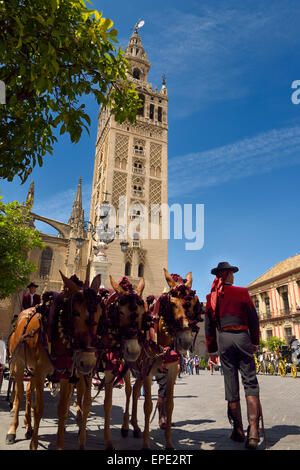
76	313
122	333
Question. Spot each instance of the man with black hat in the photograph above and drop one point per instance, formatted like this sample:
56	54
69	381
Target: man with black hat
230	310
31	299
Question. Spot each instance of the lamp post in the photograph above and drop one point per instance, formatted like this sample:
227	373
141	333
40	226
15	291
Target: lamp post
105	236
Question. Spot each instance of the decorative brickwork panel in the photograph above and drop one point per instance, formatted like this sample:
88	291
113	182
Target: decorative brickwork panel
154	192
119	187
121	150
155	155
128	255
142	256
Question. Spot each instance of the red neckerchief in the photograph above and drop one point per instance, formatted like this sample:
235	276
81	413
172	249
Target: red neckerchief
217	289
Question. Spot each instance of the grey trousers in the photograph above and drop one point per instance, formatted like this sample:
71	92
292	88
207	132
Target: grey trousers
161	379
236	354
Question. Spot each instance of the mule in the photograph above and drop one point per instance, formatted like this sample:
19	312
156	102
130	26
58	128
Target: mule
57	338
176	315
123	334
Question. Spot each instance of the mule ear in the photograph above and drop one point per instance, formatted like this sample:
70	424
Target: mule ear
140	287
96	283
73	288
116	286
189	279
169	279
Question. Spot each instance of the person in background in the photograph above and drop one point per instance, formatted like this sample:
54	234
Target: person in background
220	366
192	364
211	366
197	362
31	299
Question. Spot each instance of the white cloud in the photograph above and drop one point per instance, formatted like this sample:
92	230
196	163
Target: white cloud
260	154
217	50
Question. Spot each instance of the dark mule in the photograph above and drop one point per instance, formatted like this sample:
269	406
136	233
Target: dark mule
123	332
57	338
175	315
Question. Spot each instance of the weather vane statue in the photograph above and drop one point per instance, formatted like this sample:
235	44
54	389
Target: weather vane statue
139	25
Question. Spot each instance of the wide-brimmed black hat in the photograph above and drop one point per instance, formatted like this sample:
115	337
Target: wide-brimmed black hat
32	284
224	266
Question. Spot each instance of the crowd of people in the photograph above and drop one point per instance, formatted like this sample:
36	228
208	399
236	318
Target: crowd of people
192	364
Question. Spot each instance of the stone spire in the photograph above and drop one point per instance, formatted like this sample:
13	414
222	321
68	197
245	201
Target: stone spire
77	215
137	57
164	88
30	195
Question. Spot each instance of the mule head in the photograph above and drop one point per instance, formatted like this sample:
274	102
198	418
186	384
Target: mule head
131	311
182	310
83	312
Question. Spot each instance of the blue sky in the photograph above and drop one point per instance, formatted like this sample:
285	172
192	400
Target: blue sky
234	133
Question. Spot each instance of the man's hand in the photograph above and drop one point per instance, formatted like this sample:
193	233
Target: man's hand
214	358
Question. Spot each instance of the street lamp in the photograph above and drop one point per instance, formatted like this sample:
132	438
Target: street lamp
124	246
105	234
79	242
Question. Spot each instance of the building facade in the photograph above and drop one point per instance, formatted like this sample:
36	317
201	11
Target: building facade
276	296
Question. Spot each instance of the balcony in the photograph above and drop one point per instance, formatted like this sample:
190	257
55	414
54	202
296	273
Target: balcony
265	316
284	312
137	192
139	171
287	314
139	152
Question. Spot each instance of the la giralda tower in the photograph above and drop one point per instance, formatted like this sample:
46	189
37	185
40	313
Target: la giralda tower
131	163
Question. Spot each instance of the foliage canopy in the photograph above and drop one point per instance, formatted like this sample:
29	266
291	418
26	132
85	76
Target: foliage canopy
51	54
16	239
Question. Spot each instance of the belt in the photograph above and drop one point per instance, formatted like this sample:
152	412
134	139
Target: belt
234	328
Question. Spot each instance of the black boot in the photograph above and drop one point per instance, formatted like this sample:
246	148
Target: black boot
235	418
254	413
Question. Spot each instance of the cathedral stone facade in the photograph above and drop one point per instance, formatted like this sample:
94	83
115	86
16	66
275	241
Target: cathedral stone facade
60	253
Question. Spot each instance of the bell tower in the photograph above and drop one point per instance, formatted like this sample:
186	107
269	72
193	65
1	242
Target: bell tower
131	162
137	57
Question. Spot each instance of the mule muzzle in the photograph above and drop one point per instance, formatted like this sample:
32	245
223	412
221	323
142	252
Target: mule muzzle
184	340
85	361
131	350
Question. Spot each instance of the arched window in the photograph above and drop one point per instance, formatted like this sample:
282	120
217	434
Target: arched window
127	269
136	74
151	111
46	261
141	270
159	114
141	110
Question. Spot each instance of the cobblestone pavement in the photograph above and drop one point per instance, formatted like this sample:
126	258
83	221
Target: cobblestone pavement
200	417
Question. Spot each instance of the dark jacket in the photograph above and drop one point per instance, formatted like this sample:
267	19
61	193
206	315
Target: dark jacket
26	303
234	308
